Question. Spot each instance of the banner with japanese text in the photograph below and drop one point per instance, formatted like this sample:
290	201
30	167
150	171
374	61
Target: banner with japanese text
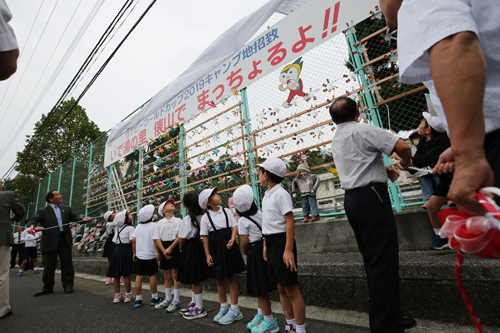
312	24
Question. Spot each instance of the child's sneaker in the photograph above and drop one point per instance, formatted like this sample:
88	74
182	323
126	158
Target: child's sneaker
138	303
222	312
108	281
121	279
174	306
163	305
289	329
36	271
195	314
266	327
155	301
118	298
188	308
255	321
129	298
20	273
231	316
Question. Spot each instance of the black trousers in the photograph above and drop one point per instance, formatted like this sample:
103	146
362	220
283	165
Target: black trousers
370	214
50	262
492	152
16	248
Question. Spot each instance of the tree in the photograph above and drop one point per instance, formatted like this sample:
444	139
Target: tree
74	134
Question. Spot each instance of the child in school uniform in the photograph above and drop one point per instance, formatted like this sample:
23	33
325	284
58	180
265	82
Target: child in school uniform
165	236
252	243
193	269
122	262
219	230
278	227
146	256
30	237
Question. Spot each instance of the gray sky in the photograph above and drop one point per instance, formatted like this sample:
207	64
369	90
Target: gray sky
164	44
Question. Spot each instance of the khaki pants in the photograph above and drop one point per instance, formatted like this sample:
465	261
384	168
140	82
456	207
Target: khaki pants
4	279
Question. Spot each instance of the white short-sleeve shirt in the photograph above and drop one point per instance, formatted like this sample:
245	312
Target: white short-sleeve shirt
7	37
423	23
187	230
247	227
276	203
29	240
144	243
219	221
167	230
125	232
357	151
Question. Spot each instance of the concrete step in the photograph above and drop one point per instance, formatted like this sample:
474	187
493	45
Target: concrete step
427	284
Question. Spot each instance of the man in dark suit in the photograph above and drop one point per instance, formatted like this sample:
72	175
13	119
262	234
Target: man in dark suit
56	241
8	203
17	248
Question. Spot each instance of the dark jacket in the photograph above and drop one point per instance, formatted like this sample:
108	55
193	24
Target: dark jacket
8	203
428	152
47	218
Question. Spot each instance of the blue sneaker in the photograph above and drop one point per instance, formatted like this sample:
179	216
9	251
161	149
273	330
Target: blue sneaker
173	306
36	271
255	321
138	303
266	327
222	313
231	316
439	243
155	301
163	305
20	273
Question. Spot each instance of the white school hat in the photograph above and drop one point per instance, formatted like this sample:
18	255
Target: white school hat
160	209
120	217
107	215
204	195
243	198
275	165
434	122
146	213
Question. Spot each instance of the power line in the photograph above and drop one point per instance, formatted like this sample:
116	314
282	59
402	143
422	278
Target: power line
91	82
59	68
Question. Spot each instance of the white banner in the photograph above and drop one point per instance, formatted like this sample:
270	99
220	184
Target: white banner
314	23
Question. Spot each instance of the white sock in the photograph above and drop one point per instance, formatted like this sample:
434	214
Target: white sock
155	295
118	294
269	318
301	328
235	307
199	300
128	294
193	299
437	230
223	305
177	294
259	312
168	294
291	322
20	270
138	297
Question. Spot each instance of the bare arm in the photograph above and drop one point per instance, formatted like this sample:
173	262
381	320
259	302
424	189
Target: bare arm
390	9
233	238
245	243
403	150
8	59
288	257
182	241
133	247
210	261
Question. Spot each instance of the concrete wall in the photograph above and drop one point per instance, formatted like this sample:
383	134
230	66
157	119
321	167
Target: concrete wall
335	235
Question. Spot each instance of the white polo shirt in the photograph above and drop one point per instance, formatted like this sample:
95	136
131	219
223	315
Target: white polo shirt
125	232
248	228
7	37
144	244
276	203
29	240
187	230
219	221
167	230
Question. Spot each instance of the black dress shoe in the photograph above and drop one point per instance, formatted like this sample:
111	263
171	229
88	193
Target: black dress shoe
43	292
68	290
6	315
409	322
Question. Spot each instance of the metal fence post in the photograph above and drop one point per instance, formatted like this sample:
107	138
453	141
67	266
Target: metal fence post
182	170
59	183
139	185
109	187
251	151
48	188
88	179
375	118
38	195
72	180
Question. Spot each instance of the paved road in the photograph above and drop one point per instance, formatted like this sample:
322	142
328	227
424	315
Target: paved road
90	309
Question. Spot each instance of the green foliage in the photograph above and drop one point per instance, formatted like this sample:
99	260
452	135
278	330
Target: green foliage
75	133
